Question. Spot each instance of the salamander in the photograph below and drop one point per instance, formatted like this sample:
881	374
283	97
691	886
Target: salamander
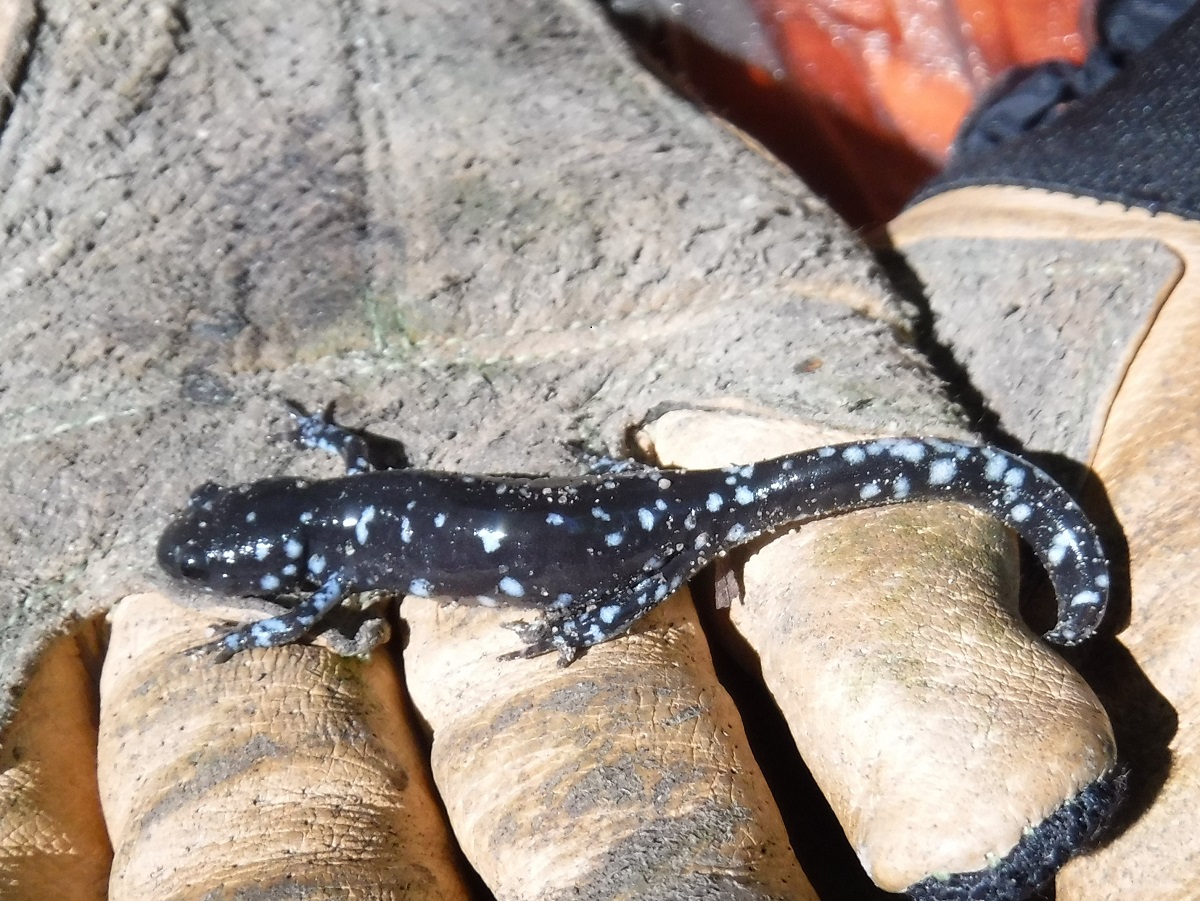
592	553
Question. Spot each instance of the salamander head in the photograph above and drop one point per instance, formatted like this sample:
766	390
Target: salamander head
230	539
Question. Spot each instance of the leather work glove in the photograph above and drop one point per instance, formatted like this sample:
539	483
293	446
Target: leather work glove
485	232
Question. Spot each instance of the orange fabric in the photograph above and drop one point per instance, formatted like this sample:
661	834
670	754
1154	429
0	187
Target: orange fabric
871	92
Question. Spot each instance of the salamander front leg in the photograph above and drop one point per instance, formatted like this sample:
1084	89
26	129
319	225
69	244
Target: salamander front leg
279	630
359	451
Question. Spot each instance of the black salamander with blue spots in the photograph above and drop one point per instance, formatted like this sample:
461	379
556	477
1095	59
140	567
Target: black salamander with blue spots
594	553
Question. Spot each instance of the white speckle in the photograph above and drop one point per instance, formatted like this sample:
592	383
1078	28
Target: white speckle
316	564
689	521
1020	512
869	490
554	519
1085	599
701	541
787	465
1059	545
652	564
361	532
600	514
746	471
293	549
900	488
996	465
661	591
290	569
736	533
439	520
731	480
251	516
486	600
1014	478
261	549
410	505
349	522
612	539
660	505
594	634
265	628
664	484
564	600
511	587
306	516
826	452
714	502
854	454
491	539
608	614
421	588
941	471
406	531
646	518
949	447
743	495
269	582
907	449
1102	580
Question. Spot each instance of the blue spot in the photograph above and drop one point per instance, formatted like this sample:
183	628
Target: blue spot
491	539
941	471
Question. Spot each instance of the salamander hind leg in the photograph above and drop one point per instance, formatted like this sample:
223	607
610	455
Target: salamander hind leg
570	633
360	452
279	630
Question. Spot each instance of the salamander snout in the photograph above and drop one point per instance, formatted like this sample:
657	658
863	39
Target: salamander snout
181	557
185	548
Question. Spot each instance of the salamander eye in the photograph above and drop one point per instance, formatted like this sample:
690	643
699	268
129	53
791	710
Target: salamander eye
193	566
